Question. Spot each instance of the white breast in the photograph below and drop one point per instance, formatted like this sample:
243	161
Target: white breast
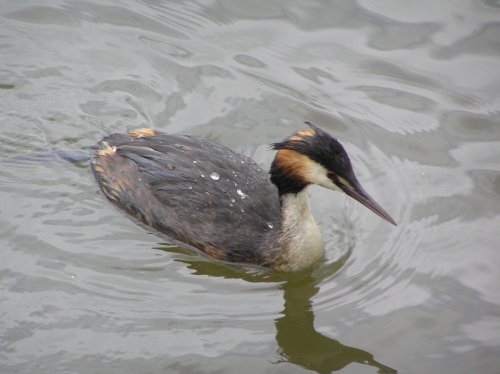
300	234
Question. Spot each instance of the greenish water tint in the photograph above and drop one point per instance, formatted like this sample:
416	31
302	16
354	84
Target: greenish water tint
296	336
411	89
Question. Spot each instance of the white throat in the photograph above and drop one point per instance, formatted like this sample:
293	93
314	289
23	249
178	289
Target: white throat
299	235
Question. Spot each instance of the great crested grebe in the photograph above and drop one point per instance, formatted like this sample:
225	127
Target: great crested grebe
219	201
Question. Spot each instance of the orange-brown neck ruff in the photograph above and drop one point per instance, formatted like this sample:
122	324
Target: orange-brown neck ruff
290	169
286	172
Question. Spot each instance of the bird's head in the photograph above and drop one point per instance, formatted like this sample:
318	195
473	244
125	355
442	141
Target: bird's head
313	156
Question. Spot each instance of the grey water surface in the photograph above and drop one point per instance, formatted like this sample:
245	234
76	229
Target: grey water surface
412	88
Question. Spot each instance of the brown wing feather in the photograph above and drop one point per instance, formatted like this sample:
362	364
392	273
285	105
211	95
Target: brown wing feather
154	180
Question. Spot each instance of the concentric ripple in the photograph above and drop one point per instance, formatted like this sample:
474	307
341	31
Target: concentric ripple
410	89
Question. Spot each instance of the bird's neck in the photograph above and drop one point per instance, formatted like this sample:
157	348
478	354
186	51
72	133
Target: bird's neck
299	241
284	176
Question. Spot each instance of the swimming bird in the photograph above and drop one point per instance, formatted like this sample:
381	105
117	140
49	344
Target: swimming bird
221	202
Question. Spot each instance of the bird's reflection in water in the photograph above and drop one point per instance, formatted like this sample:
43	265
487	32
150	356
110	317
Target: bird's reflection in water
296	335
302	345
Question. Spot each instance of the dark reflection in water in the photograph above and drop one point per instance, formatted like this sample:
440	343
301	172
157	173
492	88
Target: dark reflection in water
302	345
412	89
296	335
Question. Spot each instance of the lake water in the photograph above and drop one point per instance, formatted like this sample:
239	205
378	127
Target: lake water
411	88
